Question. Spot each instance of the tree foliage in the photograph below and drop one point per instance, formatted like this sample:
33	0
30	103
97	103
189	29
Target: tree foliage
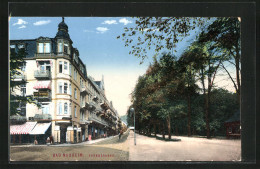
16	62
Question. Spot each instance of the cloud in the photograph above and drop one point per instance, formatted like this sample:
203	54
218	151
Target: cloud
109	22
101	29
21	27
125	21
42	22
85	30
20	22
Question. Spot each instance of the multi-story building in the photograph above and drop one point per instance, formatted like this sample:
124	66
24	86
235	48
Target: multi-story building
57	78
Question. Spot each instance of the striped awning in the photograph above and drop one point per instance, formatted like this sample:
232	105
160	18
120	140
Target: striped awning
40	128
45	84
22	129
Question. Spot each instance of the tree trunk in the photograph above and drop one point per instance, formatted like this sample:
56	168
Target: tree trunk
207	115
163	131
189	116
154	128
169	126
238	75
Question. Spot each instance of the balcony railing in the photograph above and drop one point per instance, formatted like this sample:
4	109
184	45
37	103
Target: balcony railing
45	74
42	95
17	119
84	90
97	120
19	77
38	117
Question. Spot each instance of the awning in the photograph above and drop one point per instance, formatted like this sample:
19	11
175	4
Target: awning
45	84
40	128
22	129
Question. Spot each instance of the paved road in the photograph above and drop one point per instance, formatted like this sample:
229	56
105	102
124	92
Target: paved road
147	149
188	149
111	149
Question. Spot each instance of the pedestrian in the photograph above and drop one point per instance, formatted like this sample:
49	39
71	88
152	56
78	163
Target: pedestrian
35	142
51	140
48	141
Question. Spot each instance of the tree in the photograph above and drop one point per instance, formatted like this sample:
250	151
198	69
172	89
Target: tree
16	62
157	33
225	34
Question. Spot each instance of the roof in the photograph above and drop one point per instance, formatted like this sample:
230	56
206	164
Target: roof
235	117
22	129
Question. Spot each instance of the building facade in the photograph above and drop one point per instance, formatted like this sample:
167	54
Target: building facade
72	103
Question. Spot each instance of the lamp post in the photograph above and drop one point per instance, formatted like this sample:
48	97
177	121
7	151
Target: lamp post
132	110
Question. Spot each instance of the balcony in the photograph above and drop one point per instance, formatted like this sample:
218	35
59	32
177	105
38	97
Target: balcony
42	117
42	74
104	105
15	119
42	95
84	90
20	77
94	118
91	106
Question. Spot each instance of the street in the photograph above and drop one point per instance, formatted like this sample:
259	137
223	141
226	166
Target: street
146	149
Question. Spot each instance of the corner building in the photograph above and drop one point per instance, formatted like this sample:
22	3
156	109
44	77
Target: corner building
55	76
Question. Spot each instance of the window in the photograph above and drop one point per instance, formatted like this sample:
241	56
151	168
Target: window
60	87
21	46
65	66
65	87
75	74
70	68
75	93
70	89
60	49
65	108
12	48
60	108
60	67
45	109
75	111
70	109
40	47
23	89
23	66
66	48
47	47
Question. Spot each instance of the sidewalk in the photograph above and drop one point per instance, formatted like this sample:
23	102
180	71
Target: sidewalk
67	144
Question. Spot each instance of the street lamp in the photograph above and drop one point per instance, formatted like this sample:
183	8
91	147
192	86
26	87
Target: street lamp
132	110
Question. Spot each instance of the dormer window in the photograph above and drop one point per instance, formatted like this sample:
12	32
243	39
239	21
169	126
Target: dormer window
12	48
66	46
60	47
44	47
41	50
21	46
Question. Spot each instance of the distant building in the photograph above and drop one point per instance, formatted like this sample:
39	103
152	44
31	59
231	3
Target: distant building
74	106
233	126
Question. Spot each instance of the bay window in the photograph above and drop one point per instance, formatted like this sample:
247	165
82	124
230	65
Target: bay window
60	108
65	87
65	66
65	108
60	66
70	89
60	87
75	111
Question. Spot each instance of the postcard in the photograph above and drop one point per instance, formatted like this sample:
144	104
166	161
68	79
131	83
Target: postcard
125	88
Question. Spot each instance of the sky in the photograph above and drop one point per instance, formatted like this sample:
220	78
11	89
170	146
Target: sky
99	49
